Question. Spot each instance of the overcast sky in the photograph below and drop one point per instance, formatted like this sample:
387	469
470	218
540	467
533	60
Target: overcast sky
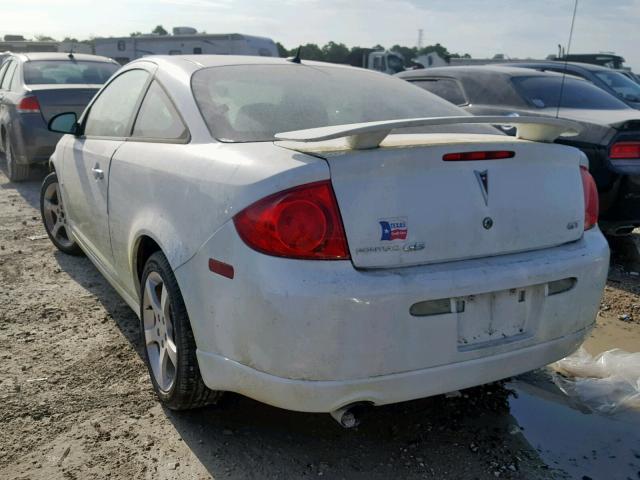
482	28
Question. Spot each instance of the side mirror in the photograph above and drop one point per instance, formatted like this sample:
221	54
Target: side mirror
64	123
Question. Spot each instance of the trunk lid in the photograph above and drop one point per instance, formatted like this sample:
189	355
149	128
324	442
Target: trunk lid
55	99
403	205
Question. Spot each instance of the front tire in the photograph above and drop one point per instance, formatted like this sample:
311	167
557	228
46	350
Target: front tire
169	346
54	218
15	171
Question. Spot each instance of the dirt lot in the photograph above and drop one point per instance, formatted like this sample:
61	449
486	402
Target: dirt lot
76	402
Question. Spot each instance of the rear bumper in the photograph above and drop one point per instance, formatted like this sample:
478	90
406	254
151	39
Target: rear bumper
32	141
282	327
327	396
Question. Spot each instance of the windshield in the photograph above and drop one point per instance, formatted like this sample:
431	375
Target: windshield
251	103
40	72
621	84
543	92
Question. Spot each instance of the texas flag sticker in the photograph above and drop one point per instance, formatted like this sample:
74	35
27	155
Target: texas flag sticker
394	228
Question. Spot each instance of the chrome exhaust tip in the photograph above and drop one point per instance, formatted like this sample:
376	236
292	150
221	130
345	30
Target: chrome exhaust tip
349	416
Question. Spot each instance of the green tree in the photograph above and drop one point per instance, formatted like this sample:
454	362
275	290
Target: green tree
408	53
159	30
135	34
335	52
310	51
439	49
282	52
356	54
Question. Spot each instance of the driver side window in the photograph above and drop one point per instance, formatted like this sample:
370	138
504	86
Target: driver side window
112	112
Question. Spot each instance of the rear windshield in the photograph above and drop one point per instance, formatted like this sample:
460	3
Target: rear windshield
544	92
251	103
446	88
39	72
621	84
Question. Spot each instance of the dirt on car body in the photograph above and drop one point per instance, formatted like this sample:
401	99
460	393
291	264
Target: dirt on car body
76	400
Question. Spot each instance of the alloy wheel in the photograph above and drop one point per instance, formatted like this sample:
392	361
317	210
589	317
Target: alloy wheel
54	216
162	351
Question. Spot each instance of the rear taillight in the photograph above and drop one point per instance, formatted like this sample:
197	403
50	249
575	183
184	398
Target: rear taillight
28	105
590	199
482	155
625	150
302	222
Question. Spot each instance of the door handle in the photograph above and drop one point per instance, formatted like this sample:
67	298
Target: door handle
98	174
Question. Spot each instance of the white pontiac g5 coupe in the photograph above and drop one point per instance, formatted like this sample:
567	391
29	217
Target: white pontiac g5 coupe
316	236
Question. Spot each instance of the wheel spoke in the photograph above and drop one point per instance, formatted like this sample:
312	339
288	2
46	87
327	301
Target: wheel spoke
153	297
172	352
58	196
49	206
56	229
164	303
151	335
165	367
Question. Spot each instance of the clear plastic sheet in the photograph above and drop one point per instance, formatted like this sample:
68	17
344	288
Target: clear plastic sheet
605	383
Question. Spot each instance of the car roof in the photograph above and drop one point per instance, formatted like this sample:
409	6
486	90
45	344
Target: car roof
187	62
586	66
464	70
34	56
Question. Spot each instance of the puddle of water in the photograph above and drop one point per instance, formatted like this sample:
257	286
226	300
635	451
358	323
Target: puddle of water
569	437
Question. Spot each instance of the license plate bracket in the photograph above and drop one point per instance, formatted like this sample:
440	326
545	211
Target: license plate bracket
494	317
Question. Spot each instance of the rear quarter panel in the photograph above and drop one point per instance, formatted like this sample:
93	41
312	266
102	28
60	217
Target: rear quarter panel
181	194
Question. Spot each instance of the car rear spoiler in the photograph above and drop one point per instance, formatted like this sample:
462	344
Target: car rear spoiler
360	136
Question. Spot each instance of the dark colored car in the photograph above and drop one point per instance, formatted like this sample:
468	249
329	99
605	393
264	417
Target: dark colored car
33	88
614	82
630	74
611	135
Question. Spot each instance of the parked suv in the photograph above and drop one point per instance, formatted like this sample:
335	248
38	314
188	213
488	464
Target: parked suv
33	88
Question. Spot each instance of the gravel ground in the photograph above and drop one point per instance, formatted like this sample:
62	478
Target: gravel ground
76	402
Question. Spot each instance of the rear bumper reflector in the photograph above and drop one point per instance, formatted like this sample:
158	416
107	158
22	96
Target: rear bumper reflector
221	268
561	286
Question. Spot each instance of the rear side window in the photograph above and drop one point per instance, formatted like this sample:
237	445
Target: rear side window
158	118
544	92
112	112
8	76
39	72
621	84
446	88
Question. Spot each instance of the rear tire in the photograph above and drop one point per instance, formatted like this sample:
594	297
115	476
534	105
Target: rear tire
53	216
169	346
15	171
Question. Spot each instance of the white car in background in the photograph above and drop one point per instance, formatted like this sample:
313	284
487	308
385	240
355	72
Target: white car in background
284	232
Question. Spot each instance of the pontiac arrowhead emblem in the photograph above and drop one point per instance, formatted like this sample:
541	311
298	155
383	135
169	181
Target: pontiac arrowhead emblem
483	181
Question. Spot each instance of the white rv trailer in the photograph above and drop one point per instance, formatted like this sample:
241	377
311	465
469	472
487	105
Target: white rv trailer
125	49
